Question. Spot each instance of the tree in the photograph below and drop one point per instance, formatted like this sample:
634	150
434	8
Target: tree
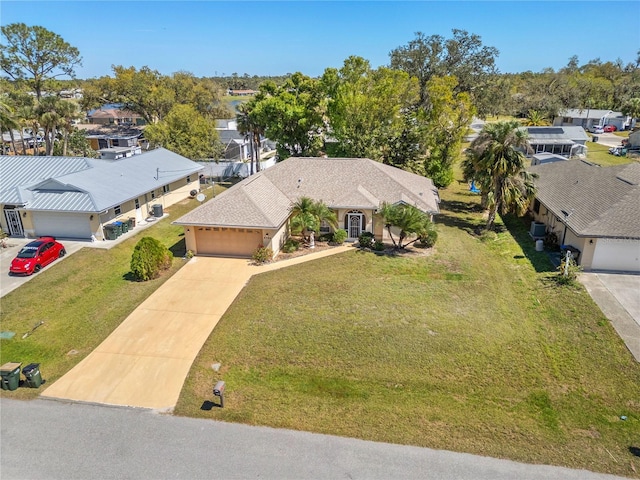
535	119
632	107
412	223
307	216
292	115
187	133
150	257
447	120
463	56
248	125
8	123
496	162
35	55
365	107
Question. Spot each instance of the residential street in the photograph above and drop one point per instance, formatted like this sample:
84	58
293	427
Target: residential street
51	440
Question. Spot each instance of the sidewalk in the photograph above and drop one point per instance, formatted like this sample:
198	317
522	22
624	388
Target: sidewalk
145	361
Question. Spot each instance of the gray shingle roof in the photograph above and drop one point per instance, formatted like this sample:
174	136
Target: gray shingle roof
265	199
75	184
603	201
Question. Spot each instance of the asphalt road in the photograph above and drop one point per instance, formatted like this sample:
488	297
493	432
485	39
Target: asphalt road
50	440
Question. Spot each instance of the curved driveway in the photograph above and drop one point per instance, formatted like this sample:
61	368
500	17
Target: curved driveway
145	361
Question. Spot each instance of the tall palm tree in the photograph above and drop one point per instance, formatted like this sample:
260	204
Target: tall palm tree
68	113
8	122
496	162
247	125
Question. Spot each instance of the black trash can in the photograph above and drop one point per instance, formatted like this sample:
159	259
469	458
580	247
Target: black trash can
33	375
10	376
595	138
157	210
132	222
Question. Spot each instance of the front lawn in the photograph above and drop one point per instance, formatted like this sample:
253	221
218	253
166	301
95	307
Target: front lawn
473	348
81	300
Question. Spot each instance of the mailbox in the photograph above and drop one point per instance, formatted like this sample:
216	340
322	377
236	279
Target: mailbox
218	391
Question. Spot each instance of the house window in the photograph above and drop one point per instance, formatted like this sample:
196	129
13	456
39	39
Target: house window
117	210
153	194
536	205
165	189
189	179
325	227
137	204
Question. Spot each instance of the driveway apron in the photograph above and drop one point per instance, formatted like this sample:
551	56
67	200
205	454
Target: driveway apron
145	361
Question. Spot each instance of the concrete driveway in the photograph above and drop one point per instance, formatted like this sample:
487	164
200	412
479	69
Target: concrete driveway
145	361
618	296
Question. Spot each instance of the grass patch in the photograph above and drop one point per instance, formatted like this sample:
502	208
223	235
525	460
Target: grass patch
81	300
599	154
469	349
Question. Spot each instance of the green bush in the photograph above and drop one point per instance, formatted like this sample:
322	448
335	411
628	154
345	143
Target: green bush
290	246
365	240
568	275
339	236
428	239
378	246
262	255
149	258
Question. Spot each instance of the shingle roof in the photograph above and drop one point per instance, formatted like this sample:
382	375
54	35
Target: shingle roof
75	184
601	201
265	199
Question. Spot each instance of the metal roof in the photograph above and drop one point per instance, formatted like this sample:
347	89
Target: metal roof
87	184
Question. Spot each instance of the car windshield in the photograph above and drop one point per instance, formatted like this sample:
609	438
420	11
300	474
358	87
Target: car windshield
28	252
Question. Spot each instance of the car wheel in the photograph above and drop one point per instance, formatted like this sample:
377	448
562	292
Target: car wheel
62	253
36	269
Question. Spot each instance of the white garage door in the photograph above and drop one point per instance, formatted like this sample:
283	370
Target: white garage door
62	225
617	254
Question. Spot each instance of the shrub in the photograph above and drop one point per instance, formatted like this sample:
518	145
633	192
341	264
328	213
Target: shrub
290	246
365	240
339	236
427	239
568	274
378	246
149	258
262	255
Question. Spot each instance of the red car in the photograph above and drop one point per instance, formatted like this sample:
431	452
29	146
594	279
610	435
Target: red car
610	128
35	255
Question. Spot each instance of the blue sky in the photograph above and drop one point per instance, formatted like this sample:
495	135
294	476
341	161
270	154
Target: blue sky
209	38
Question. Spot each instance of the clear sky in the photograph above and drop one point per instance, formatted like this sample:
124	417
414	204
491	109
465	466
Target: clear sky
210	38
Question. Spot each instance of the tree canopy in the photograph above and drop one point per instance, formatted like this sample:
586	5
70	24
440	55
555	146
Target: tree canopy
35	55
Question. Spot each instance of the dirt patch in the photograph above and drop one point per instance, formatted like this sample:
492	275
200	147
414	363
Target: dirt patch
410	251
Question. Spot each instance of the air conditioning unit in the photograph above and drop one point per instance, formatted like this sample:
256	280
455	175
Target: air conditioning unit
538	230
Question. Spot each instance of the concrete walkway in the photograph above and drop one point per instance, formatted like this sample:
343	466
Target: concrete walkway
145	361
618	296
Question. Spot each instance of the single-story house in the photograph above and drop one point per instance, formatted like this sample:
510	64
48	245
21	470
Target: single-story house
75	197
593	209
565	141
256	211
111	115
590	117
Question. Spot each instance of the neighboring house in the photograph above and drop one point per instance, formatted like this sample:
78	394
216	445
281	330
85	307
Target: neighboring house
240	92
565	141
587	118
73	197
594	209
117	153
224	169
237	146
102	141
114	116
256	211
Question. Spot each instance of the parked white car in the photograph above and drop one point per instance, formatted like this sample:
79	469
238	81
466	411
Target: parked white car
597	129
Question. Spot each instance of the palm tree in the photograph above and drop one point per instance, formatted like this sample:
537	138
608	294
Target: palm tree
408	219
249	126
68	112
8	123
496	162
535	119
307	216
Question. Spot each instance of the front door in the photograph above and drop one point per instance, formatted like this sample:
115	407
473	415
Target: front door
354	221
14	222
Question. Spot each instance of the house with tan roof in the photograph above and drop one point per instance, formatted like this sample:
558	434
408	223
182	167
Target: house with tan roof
593	209
256	211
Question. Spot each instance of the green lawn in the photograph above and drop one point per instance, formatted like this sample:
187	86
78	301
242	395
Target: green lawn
599	154
473	348
81	300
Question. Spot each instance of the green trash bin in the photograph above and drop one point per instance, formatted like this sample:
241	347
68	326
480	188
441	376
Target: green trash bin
125	226
118	228
10	374
32	373
110	232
